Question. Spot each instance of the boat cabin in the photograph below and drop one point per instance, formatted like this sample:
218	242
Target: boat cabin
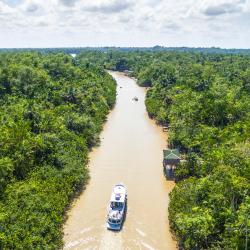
117	208
118	198
171	159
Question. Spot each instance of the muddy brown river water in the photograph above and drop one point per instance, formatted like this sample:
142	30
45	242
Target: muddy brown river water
130	152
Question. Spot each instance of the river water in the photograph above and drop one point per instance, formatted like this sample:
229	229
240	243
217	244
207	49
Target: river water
130	152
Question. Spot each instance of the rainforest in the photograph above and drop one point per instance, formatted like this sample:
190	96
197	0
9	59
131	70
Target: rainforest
204	98
52	111
53	108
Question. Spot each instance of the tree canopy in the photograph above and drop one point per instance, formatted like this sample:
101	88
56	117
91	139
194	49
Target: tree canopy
206	100
52	111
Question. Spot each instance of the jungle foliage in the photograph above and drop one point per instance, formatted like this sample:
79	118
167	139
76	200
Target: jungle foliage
52	111
205	98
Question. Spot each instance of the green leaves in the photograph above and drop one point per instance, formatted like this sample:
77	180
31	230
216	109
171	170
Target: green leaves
6	172
52	114
205	100
195	229
200	209
162	73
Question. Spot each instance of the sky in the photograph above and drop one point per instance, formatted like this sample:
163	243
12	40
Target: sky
133	23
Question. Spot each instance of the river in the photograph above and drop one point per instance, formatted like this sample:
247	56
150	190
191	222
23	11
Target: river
130	152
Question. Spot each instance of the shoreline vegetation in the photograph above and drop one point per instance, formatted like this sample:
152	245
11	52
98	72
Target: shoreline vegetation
53	109
52	114
205	98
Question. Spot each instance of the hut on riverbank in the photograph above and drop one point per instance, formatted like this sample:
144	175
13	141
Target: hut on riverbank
171	159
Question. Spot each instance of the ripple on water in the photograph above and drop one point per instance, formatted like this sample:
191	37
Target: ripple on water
140	232
109	242
147	246
131	151
85	230
74	244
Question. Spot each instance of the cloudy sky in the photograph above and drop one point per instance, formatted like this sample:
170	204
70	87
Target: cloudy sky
60	23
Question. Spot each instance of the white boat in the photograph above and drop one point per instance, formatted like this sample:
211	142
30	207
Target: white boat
117	207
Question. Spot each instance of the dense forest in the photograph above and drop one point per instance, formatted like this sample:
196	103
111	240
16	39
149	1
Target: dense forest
53	108
78	50
205	98
52	111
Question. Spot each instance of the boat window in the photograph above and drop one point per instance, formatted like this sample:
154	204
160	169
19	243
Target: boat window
114	221
116	204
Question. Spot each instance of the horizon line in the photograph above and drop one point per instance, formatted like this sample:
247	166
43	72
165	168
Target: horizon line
132	47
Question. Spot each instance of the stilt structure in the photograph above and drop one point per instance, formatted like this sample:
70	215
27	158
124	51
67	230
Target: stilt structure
171	159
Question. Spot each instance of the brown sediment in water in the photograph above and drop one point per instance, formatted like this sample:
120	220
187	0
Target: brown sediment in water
130	152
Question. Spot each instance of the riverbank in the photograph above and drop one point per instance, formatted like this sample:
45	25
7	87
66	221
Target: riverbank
207	107
46	135
131	152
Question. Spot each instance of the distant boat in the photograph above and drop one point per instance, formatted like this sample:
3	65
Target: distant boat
135	99
117	207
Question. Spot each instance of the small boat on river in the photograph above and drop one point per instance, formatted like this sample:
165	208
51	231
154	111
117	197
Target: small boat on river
117	207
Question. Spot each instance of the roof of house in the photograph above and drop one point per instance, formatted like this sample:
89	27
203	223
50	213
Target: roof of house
171	154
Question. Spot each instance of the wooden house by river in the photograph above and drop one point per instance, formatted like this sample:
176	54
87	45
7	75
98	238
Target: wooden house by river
171	159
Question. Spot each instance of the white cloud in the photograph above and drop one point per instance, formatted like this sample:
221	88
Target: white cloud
31	7
124	22
220	7
12	3
5	9
68	2
170	27
108	7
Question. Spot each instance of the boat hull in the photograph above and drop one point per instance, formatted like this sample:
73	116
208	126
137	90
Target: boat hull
114	227
117	208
